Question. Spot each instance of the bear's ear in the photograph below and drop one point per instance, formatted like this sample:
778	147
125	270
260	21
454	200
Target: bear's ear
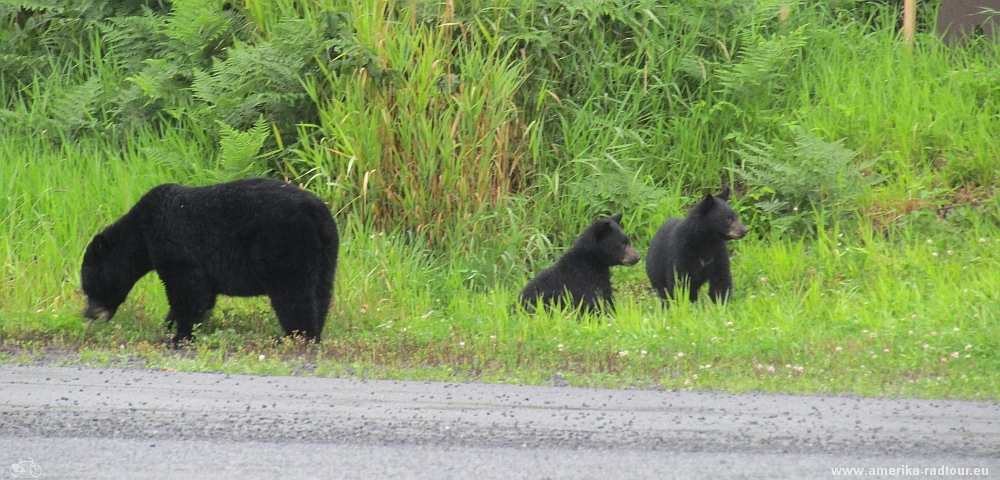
724	194
100	244
601	228
705	205
617	218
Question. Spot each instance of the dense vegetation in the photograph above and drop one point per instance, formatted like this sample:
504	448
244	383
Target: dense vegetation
463	145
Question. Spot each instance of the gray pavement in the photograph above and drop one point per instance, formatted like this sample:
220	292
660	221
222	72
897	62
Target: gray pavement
115	423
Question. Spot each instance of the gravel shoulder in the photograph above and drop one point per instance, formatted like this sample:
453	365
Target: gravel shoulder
59	407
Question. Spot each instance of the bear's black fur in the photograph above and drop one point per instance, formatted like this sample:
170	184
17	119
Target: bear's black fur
584	271
243	238
694	250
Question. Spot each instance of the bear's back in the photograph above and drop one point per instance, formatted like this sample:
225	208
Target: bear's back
243	234
233	209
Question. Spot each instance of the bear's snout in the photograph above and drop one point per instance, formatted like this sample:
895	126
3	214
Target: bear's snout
631	256
737	230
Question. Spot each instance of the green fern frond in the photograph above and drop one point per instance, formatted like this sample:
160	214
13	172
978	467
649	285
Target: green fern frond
808	175
761	61
238	150
75	110
131	40
194	24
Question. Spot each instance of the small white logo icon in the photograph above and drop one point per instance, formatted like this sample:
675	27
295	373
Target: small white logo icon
25	469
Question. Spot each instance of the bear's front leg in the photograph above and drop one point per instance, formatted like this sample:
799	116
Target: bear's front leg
693	292
190	296
185	330
720	289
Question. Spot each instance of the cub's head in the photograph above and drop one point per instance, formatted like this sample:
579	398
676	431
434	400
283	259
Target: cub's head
611	242
100	280
715	215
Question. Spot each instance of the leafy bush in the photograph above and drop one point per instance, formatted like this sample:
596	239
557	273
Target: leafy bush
797	182
422	115
114	67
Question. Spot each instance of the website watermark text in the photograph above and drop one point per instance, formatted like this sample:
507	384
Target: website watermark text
908	471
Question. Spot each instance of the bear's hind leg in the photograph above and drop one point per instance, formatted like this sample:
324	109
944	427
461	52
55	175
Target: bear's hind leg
297	312
667	293
324	297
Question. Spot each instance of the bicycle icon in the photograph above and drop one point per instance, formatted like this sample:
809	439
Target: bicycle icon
25	468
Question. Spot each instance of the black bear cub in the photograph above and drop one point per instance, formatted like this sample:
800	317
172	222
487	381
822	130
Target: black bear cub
244	238
584	271
694	250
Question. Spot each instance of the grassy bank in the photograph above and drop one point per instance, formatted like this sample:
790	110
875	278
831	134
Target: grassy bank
462	150
909	311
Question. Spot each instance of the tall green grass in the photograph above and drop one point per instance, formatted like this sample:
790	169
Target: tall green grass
435	147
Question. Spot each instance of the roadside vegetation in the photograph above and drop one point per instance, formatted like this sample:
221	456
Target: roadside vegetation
463	145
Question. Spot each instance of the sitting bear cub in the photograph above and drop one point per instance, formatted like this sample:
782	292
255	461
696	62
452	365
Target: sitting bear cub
584	271
244	238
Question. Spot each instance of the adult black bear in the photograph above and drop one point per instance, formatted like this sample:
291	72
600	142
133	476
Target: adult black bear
694	250
243	238
584	271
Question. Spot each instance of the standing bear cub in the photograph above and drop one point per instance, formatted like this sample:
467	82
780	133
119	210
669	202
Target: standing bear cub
584	271
693	250
244	238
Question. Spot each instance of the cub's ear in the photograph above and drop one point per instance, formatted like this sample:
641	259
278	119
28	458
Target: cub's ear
99	244
602	227
705	205
724	194
617	218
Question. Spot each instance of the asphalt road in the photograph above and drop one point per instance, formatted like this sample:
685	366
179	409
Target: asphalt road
113	423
